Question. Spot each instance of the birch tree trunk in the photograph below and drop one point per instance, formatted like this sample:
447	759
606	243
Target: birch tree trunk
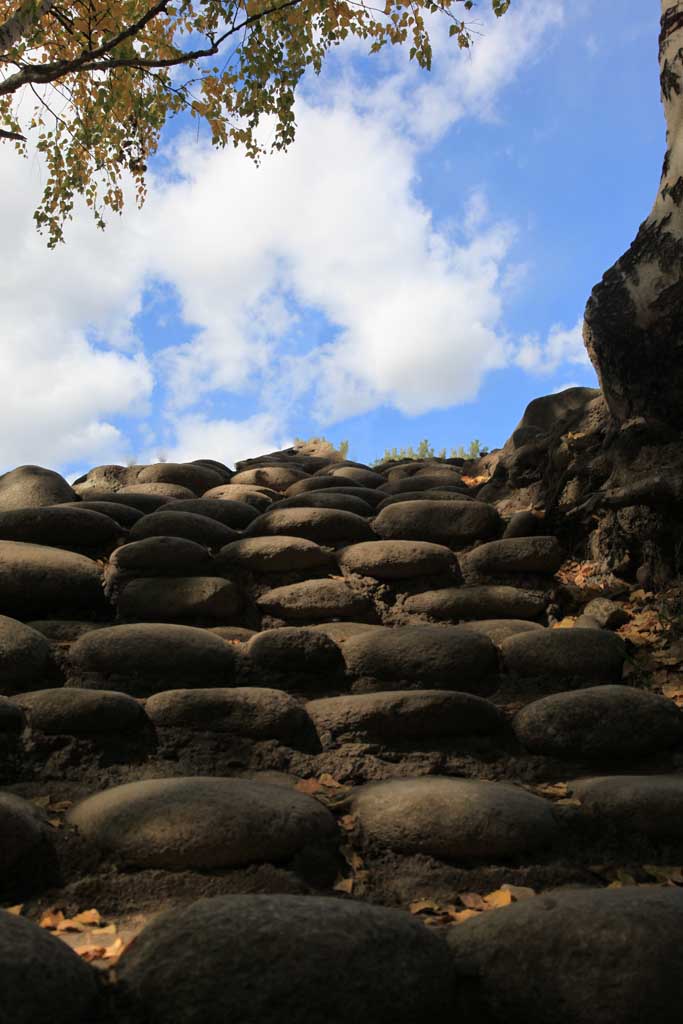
633	325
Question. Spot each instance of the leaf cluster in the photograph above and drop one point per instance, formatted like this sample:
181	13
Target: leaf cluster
102	78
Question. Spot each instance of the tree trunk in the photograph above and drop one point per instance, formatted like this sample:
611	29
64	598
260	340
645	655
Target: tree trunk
633	326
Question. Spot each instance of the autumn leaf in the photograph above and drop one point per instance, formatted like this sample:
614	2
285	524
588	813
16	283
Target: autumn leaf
344	885
665	875
460	916
472	900
309	786
51	919
498	898
327	780
519	892
15	910
347	822
420	906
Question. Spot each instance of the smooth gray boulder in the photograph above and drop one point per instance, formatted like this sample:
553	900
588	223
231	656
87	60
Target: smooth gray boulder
72	528
327	499
294	959
599	722
322	525
273	554
452	523
485	602
43	981
586	654
575	956
194	477
397	559
453	819
146	657
24	656
22	831
314	599
294	649
515	554
75	712
124	515
202	822
160	556
644	805
256	712
404	714
159	599
235	514
435	656
201	529
33	487
277	478
37	581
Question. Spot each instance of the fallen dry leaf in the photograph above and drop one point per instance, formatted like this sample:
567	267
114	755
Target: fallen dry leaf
472	900
353	859
328	780
665	875
344	885
420	906
16	909
309	786
348	822
553	789
460	916
519	892
498	898
51	919
93	952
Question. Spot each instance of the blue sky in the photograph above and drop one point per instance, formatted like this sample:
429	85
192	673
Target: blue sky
416	266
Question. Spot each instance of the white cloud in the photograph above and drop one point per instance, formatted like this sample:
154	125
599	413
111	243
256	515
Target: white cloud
562	347
226	440
333	226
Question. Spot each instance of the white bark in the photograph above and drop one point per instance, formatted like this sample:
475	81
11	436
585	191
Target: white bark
21	22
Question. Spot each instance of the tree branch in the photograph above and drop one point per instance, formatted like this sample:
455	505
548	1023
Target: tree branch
19	23
89	60
15	136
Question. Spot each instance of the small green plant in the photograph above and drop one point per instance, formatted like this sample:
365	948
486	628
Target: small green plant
425	450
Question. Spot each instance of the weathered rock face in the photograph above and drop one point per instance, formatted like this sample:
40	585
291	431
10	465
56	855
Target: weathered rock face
634	317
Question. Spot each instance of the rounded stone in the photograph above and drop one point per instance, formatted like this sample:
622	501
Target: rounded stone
368	495
11	717
160	599
322	525
24	656
293	649
576	956
37	580
33	487
278	478
397	559
201	822
258	497
340	632
124	515
273	554
453	819
314	599
143	502
645	805
197	479
314	483
521	524
436	494
200	529
235	514
462	603
43	981
425	483
72	528
602	721
161	556
63	630
327	499
356	475
149	657
21	830
498	630
300	959
67	711
233	634
256	712
453	523
161	490
516	554
586	654
442	656
405	714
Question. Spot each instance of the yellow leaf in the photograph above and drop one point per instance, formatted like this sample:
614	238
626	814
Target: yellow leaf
472	900
348	822
498	898
344	885
309	786
519	892
327	780
51	919
422	906
460	916
16	909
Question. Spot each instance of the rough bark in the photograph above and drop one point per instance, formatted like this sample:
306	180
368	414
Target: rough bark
633	327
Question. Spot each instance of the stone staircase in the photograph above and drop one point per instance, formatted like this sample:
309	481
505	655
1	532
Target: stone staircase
304	743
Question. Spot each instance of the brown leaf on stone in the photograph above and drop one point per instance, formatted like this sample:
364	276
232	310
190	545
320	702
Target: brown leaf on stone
566	623
41	801
15	910
519	892
344	885
51	919
472	900
553	789
309	786
460	916
94	952
424	906
328	780
664	875
348	822
353	859
498	898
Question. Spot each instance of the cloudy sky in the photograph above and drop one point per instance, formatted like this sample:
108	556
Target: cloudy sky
416	266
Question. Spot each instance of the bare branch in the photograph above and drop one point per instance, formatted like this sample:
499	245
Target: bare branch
15	136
